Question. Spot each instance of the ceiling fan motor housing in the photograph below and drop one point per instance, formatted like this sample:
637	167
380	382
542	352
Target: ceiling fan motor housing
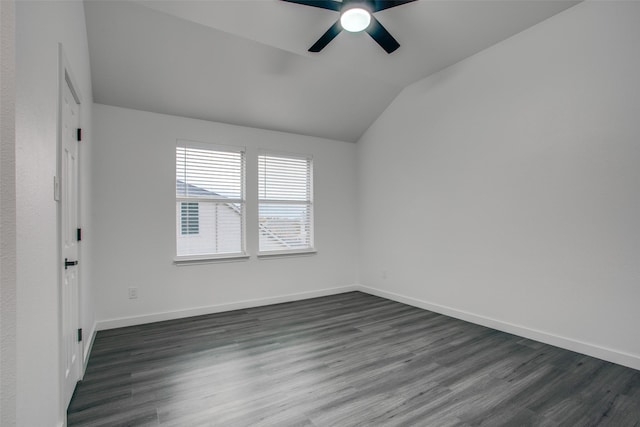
365	21
362	4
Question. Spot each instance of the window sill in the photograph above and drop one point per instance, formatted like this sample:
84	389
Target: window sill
206	259
281	254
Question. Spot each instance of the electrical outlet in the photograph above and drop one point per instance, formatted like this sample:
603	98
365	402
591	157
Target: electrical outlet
384	274
133	293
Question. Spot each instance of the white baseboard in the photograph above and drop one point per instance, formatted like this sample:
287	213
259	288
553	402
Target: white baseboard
87	349
239	305
611	355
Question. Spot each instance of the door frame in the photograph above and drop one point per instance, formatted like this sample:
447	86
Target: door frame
65	77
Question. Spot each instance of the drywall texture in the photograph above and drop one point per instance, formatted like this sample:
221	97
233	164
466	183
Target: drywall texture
134	218
8	216
40	27
507	186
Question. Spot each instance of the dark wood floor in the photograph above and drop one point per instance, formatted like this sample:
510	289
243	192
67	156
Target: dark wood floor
344	360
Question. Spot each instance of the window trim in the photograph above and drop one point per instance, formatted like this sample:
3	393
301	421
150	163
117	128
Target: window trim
214	257
286	253
205	259
311	250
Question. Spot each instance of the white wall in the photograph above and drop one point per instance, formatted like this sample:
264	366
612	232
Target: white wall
40	26
134	220
506	188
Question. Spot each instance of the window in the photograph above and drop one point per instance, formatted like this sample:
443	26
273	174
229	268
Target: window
210	201
285	204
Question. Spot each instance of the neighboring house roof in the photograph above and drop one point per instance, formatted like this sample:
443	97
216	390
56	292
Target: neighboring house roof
184	189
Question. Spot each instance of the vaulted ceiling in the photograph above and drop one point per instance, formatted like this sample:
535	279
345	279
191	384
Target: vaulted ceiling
246	62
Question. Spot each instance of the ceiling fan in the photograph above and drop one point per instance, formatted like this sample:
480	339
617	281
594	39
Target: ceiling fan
355	16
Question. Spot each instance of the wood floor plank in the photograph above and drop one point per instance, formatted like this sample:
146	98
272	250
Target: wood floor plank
344	360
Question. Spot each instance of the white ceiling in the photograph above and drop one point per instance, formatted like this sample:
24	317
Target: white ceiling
245	62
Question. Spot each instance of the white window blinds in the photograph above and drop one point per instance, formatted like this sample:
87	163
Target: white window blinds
210	200
285	203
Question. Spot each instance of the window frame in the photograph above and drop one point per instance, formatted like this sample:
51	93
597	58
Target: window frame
242	254
310	203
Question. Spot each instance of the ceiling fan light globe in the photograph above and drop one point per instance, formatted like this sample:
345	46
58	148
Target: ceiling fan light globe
355	19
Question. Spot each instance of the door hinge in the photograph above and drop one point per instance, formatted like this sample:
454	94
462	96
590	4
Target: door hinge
79	234
79	134
56	189
79	334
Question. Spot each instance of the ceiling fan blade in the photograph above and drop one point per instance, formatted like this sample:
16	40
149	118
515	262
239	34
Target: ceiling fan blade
379	5
382	36
322	4
331	34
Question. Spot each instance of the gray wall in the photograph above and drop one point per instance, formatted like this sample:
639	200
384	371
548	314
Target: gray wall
8	218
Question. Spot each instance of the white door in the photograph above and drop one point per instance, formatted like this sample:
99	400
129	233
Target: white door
68	228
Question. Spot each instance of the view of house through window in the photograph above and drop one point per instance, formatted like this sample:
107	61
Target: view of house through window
285	210
210	201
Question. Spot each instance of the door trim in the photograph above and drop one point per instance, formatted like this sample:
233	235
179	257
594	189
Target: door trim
65	77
